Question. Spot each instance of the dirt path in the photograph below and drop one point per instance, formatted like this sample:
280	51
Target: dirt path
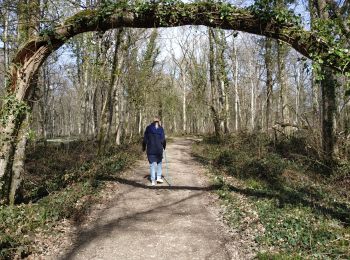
162	222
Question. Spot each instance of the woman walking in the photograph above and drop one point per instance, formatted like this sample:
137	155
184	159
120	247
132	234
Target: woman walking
154	142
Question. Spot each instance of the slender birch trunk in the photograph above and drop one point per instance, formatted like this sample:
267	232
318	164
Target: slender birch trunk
107	110
297	98
184	117
213	107
252	105
268	64
236	89
281	57
5	40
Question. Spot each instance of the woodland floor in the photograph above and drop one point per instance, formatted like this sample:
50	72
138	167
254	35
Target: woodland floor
137	221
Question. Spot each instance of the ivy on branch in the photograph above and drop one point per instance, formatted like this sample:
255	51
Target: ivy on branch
12	107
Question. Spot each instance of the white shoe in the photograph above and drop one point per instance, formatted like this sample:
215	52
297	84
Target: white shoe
153	183
160	180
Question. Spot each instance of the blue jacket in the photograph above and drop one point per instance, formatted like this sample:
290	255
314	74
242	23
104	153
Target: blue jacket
154	140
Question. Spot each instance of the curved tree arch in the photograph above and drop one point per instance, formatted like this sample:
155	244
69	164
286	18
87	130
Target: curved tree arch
34	52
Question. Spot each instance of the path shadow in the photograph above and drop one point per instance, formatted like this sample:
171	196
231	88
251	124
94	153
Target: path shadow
336	210
285	196
201	159
85	237
143	186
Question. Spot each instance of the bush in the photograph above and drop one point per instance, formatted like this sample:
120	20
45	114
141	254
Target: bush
343	170
212	139
225	158
287	146
53	167
269	168
242	164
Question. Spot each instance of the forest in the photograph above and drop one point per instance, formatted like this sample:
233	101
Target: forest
263	87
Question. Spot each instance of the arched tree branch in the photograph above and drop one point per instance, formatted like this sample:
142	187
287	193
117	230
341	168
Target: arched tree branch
165	14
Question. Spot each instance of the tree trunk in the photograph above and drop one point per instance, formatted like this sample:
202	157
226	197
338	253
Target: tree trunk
5	40
43	102
184	117
215	114
297	96
328	85
281	58
223	81
107	110
119	103
268	64
94	111
252	104
237	113
85	94
119	116
14	133
18	163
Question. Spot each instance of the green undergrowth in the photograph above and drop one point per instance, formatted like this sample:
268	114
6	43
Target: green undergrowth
61	183
304	214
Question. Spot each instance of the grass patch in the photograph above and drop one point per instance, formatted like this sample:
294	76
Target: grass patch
304	214
63	187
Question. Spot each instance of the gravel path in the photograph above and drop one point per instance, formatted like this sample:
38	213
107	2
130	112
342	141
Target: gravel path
161	222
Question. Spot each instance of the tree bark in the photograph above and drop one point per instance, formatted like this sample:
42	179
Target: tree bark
18	163
213	107
184	113
252	101
84	99
269	83
107	110
119	115
15	133
281	64
5	41
282	52
328	84
223	81
237	108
